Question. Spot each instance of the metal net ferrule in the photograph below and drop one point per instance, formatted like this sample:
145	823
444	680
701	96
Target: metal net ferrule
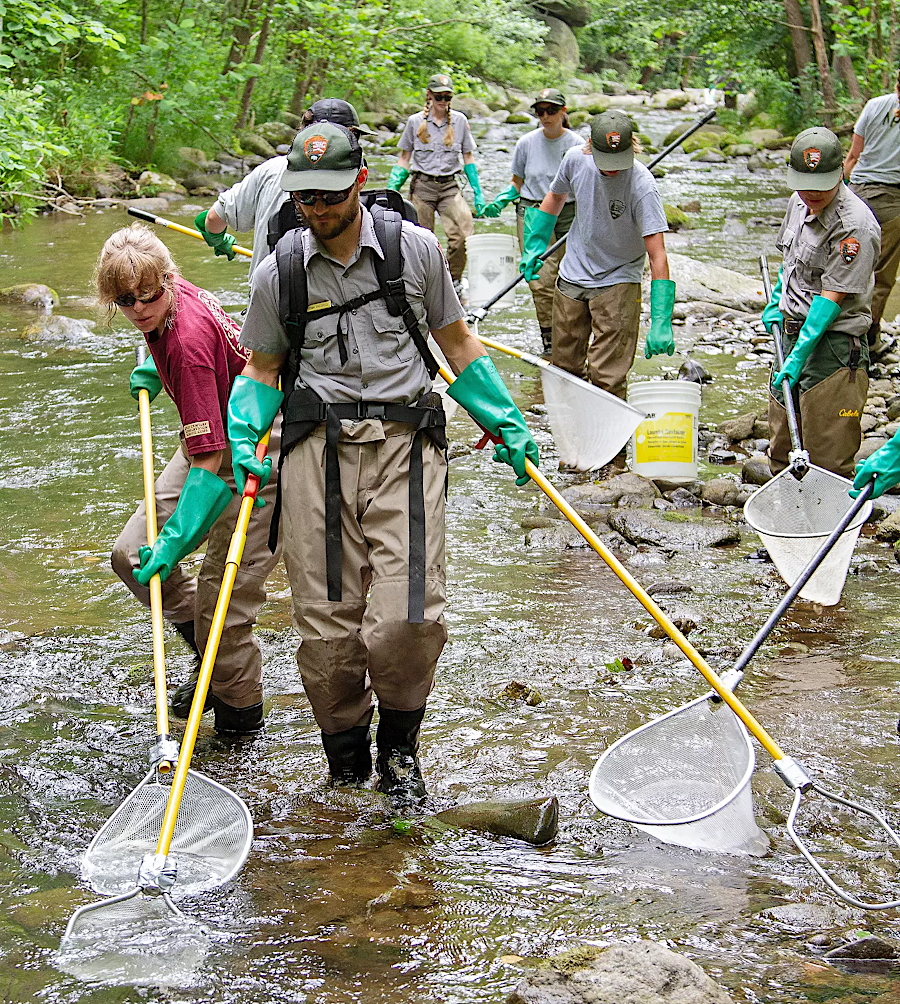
793	774
156	875
163	750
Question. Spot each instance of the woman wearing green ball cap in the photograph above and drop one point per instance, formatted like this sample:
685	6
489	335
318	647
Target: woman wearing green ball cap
436	144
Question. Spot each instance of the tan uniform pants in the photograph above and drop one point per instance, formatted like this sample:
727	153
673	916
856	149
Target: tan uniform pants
885	211
445	199
364	643
601	331
237	677
828	415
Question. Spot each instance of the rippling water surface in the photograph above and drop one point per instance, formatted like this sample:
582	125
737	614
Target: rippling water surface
334	905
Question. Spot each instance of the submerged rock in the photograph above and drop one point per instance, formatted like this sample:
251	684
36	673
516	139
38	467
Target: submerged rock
641	973
29	294
692	371
700	280
869	947
534	820
672	531
55	327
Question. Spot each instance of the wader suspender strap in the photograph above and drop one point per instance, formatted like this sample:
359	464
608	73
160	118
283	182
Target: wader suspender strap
855	351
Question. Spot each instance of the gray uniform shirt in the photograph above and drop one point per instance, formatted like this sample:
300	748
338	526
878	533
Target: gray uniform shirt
879	161
536	159
434	157
251	202
835	250
606	243
383	362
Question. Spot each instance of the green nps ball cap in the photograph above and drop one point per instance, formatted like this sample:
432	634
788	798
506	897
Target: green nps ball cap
440	82
323	157
816	162
611	134
549	96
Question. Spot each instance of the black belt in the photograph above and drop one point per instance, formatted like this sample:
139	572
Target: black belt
439	178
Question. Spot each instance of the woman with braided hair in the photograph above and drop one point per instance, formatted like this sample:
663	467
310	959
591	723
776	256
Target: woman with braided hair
435	146
873	169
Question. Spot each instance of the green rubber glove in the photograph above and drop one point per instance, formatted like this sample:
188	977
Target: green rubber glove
222	243
145	377
660	337
203	499
537	234
397	177
883	467
822	313
472	174
772	315
483	394
252	407
492	209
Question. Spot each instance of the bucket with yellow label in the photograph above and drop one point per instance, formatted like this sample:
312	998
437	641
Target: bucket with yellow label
664	445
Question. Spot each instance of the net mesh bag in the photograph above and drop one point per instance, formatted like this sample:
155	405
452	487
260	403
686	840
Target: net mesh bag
212	837
685	778
136	939
794	519
589	425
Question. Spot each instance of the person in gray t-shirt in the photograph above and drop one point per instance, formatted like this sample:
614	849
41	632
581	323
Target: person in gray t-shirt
620	219
536	160
872	167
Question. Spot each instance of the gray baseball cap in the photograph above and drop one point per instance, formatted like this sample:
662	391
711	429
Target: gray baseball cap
324	157
611	147
816	163
338	111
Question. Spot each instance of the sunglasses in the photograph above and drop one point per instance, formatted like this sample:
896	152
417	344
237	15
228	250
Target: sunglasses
546	110
308	197
443	98
127	300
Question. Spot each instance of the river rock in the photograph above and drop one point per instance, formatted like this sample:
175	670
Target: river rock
563	535
761	136
733	227
470	107
758	162
740	150
811	916
693	372
596	495
755	470
709	156
252	143
736	429
889	529
29	294
868	447
534	820
868	947
644	972
672	531
154	206
54	327
721	491
276	133
161	181
696	280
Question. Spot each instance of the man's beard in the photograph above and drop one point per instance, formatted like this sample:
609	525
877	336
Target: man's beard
327	230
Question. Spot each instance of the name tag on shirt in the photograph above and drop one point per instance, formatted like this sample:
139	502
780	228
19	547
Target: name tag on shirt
196	429
321	305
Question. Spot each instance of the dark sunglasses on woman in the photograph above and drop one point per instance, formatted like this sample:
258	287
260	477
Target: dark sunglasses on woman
127	300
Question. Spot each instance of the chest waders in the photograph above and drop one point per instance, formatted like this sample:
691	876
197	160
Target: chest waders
304	410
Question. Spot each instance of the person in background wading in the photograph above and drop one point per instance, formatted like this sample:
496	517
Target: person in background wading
194	355
436	144
872	167
252	202
536	160
822	301
619	221
365	468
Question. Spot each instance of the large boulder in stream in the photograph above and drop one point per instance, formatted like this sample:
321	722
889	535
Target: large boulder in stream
672	531
534	820
704	281
29	294
57	328
641	973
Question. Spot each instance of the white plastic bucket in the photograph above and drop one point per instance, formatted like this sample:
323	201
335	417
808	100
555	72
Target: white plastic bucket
664	445
493	262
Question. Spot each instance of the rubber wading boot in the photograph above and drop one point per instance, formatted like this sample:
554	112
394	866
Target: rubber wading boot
397	763
547	341
237	721
183	696
349	756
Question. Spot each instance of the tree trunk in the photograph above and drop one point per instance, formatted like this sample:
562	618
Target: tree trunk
241	37
825	81
892	37
843	66
799	39
688	69
144	5
646	73
257	58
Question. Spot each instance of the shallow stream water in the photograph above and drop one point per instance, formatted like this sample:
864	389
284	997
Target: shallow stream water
334	905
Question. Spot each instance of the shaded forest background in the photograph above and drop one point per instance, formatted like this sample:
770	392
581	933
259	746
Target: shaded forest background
84	83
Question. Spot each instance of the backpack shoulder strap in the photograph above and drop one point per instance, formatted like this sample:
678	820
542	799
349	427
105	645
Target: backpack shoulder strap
293	296
280	222
388	230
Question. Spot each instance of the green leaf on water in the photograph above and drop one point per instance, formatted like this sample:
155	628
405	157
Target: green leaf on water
619	665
